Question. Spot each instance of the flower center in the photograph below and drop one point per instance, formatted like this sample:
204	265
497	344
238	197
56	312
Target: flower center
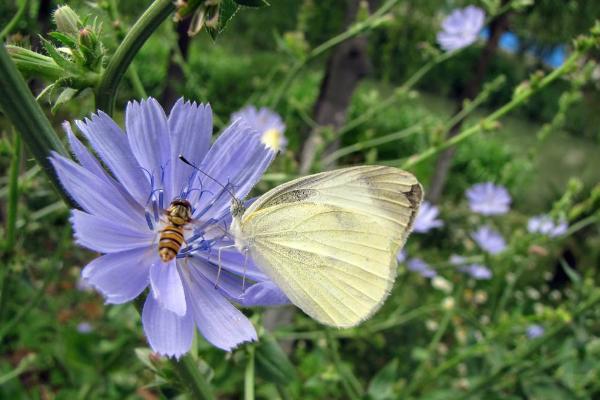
272	139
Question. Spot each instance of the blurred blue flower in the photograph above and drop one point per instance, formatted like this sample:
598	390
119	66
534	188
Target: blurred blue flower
122	216
84	327
461	28
489	240
401	256
477	271
421	267
427	218
458	260
545	225
267	122
488	199
534	331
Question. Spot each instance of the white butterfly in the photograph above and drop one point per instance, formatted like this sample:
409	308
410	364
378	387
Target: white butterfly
330	240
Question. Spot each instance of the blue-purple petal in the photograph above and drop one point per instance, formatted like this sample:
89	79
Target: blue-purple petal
107	235
220	323
90	193
120	277
190	127
148	134
168	334
167	288
238	158
111	145
263	294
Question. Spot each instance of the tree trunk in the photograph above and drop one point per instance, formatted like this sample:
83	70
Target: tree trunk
175	75
347	65
497	27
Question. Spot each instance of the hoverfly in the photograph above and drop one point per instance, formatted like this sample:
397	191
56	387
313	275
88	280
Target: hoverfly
179	214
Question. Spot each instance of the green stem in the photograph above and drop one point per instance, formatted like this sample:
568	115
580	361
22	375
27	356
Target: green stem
411	130
13	196
24	112
185	367
249	376
37	297
349	381
14	21
424	364
517	100
398	93
106	90
190	376
136	82
532	347
132	73
372	21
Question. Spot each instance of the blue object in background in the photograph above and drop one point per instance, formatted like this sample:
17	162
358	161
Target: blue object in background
556	57
509	42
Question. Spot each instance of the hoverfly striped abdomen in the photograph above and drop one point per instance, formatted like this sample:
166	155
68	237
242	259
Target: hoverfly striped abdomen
171	239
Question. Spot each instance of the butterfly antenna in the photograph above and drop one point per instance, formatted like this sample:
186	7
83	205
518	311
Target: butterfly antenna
182	158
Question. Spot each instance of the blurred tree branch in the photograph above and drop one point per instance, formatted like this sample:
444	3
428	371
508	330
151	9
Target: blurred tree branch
347	65
498	26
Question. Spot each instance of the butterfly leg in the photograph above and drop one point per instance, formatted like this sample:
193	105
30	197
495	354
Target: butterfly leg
244	276
219	261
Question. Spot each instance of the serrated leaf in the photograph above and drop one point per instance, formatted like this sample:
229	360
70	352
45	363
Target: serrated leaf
64	97
57	57
227	10
64	39
381	386
252	3
272	364
143	354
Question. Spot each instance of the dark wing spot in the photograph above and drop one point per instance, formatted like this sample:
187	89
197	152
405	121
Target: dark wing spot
292	196
415	197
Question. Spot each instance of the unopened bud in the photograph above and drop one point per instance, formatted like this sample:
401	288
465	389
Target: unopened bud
66	20
85	37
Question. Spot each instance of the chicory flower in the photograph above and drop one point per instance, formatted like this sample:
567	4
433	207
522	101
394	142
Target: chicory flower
489	240
545	225
267	122
426	219
122	216
461	28
488	199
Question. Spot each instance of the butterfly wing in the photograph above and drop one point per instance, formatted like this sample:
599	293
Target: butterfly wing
329	240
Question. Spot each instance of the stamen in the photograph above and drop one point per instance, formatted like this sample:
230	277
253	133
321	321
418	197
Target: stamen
196	237
149	220
213	201
161	195
155	208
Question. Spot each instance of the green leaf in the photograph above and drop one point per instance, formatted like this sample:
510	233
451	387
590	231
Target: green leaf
272	364
381	386
571	273
64	39
252	3
57	57
64	97
227	9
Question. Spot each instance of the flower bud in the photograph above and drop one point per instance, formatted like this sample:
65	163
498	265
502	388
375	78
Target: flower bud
86	37
66	20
